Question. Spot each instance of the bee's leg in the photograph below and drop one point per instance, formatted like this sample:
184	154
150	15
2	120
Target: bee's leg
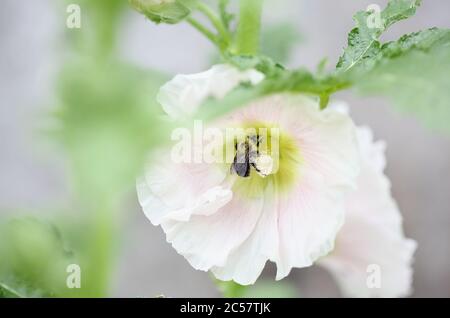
247	172
252	160
259	171
256	167
258	142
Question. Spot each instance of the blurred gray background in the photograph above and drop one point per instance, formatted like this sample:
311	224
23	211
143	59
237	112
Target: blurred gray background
33	176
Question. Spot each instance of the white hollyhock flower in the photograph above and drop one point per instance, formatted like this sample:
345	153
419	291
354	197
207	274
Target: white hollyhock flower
371	248
232	225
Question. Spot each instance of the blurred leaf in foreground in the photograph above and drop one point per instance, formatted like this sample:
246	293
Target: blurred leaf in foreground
413	73
33	259
417	83
108	120
100	22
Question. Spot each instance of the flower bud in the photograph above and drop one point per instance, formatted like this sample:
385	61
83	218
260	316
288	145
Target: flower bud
162	11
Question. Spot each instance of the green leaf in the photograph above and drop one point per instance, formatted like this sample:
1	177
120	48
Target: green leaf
166	11
423	40
397	10
363	40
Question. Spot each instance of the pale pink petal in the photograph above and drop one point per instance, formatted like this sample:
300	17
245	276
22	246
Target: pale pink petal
153	207
308	223
207	241
362	243
245	264
177	190
206	204
372	234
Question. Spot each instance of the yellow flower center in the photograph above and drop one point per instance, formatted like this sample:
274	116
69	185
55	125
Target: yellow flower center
263	140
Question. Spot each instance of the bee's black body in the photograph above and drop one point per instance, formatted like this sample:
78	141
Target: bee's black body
244	158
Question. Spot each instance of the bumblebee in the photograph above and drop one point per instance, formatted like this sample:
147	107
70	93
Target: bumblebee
248	156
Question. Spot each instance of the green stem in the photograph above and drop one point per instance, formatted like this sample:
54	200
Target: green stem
230	289
223	38
215	20
248	32
202	29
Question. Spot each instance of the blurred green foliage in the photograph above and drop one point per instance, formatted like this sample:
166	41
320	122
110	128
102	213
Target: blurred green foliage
108	120
417	82
100	24
34	259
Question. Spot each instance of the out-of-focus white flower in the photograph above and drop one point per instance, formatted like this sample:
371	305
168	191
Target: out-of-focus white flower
232	225
372	237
